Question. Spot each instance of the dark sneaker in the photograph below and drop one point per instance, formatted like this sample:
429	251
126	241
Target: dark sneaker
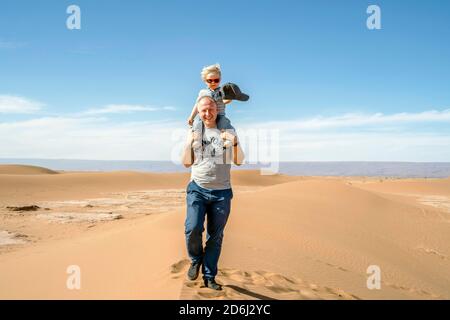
212	284
194	270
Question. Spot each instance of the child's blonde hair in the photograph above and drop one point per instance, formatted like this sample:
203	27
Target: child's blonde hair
212	69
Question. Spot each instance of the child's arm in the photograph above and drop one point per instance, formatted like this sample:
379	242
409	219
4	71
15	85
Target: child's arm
194	109
193	114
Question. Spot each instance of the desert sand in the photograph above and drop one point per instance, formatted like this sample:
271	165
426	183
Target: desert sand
287	237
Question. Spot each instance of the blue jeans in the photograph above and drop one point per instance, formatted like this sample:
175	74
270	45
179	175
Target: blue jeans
216	205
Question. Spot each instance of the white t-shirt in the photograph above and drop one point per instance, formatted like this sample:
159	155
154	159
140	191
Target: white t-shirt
212	165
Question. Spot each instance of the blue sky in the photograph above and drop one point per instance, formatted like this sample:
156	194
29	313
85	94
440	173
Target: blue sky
301	62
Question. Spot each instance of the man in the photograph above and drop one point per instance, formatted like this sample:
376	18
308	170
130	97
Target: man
209	192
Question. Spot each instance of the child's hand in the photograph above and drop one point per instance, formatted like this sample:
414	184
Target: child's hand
192	135
190	121
229	139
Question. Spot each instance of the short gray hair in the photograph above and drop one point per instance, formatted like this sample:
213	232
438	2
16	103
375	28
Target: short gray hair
206	97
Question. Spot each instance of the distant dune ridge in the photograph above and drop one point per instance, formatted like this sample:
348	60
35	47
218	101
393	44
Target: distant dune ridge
288	237
299	168
24	169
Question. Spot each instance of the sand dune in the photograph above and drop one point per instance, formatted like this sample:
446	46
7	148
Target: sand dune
330	232
24	169
79	185
407	186
287	238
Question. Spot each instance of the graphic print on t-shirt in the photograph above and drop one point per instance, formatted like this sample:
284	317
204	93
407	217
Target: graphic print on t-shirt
212	144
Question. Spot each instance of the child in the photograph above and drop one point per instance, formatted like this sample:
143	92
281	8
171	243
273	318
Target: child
211	75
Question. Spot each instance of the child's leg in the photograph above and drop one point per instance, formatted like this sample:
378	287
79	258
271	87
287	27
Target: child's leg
223	123
197	128
197	125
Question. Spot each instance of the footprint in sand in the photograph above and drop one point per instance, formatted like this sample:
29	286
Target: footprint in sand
253	285
431	251
178	269
421	292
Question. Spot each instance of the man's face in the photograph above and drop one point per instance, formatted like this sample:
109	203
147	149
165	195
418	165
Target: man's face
207	110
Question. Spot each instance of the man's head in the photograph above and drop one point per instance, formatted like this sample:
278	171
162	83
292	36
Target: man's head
207	110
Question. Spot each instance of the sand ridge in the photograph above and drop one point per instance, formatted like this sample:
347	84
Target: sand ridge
24	170
253	285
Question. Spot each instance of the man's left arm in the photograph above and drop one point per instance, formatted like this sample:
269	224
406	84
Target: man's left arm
237	152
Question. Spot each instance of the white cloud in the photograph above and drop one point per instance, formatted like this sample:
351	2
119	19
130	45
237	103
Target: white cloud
356	120
361	137
88	138
97	137
364	146
125	108
16	104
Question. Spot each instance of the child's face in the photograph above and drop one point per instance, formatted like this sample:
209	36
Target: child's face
212	81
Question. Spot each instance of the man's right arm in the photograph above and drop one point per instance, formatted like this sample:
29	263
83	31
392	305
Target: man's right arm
188	153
